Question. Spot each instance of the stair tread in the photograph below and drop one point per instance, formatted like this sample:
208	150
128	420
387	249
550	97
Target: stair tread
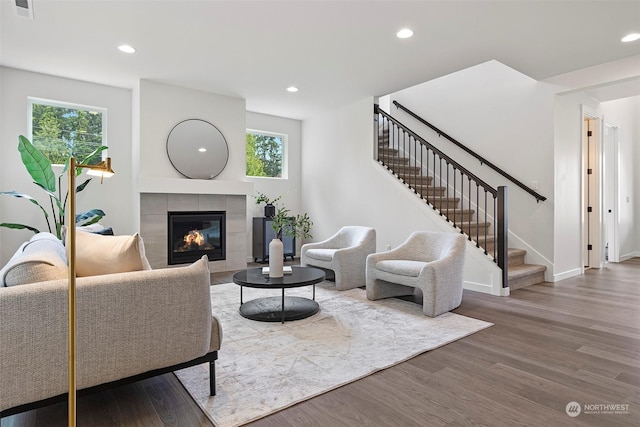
457	211
515	257
403	167
427	187
525	270
473	223
417	177
444	199
516	252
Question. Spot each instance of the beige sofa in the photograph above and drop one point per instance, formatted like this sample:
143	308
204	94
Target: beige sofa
130	326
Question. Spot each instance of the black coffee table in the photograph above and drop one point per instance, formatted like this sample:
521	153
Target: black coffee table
279	309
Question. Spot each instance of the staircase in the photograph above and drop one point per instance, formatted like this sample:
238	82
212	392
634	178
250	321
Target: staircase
407	171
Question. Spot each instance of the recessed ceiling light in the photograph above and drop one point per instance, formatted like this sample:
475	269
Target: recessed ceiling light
630	38
126	48
202	150
405	33
292	89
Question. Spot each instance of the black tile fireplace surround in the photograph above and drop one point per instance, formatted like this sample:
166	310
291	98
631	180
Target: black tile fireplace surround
193	234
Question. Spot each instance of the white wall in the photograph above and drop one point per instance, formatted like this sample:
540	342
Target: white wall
625	113
507	118
289	188
163	106
112	196
343	185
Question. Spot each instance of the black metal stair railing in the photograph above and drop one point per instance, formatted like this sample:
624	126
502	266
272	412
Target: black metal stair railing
469	203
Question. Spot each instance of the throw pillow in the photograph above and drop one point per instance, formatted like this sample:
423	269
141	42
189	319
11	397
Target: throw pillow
97	228
97	254
105	231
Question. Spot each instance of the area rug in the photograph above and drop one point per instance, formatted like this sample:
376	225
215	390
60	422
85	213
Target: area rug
265	367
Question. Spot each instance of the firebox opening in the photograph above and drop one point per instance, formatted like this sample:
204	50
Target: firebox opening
193	234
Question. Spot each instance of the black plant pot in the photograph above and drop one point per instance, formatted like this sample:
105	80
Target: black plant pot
269	210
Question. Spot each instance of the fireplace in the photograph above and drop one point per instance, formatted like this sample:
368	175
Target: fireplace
193	234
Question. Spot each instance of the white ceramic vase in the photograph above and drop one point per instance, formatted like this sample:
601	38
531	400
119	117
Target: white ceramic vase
276	256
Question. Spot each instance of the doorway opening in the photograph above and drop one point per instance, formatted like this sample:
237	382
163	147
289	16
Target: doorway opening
593	247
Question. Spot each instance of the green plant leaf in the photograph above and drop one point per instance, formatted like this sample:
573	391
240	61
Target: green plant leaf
89	217
263	198
93	154
65	168
53	197
80	187
27	197
38	166
19	227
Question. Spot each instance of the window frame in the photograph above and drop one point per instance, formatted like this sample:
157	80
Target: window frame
31	100
285	154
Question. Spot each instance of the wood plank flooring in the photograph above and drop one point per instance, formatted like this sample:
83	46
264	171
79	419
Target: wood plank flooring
552	343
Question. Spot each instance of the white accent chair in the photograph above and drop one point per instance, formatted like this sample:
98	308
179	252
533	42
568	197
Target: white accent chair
345	253
430	261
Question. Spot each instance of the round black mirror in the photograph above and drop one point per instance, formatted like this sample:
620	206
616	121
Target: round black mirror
197	149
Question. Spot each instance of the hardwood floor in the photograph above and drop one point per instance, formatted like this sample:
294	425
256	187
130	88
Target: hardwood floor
552	343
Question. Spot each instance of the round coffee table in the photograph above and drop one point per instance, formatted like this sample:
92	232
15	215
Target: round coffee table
279	309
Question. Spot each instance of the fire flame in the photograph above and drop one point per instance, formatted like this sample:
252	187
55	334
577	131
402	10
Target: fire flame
193	238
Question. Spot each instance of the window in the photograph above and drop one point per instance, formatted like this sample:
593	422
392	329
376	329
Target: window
59	129
266	154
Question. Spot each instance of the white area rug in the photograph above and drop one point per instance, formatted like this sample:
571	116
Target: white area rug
264	367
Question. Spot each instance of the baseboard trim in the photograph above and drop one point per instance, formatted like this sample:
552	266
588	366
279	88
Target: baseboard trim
627	257
567	274
484	288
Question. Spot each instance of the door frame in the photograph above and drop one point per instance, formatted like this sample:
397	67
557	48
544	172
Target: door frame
596	225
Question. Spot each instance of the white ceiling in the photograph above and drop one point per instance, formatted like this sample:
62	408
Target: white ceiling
334	51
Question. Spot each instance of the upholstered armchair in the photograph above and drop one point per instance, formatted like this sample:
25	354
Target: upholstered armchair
430	261
344	253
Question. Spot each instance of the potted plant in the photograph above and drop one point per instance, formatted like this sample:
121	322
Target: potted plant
294	226
284	223
39	167
270	208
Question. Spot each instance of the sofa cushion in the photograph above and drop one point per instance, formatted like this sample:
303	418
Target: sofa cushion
40	259
11	263
401	267
321	254
97	254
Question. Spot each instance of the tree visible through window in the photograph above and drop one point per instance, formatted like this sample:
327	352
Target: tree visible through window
59	130
265	155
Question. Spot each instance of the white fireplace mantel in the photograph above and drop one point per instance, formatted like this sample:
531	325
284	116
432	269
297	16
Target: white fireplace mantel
194	186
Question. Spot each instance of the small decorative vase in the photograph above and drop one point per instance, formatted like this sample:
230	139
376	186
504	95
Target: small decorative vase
276	250
269	210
